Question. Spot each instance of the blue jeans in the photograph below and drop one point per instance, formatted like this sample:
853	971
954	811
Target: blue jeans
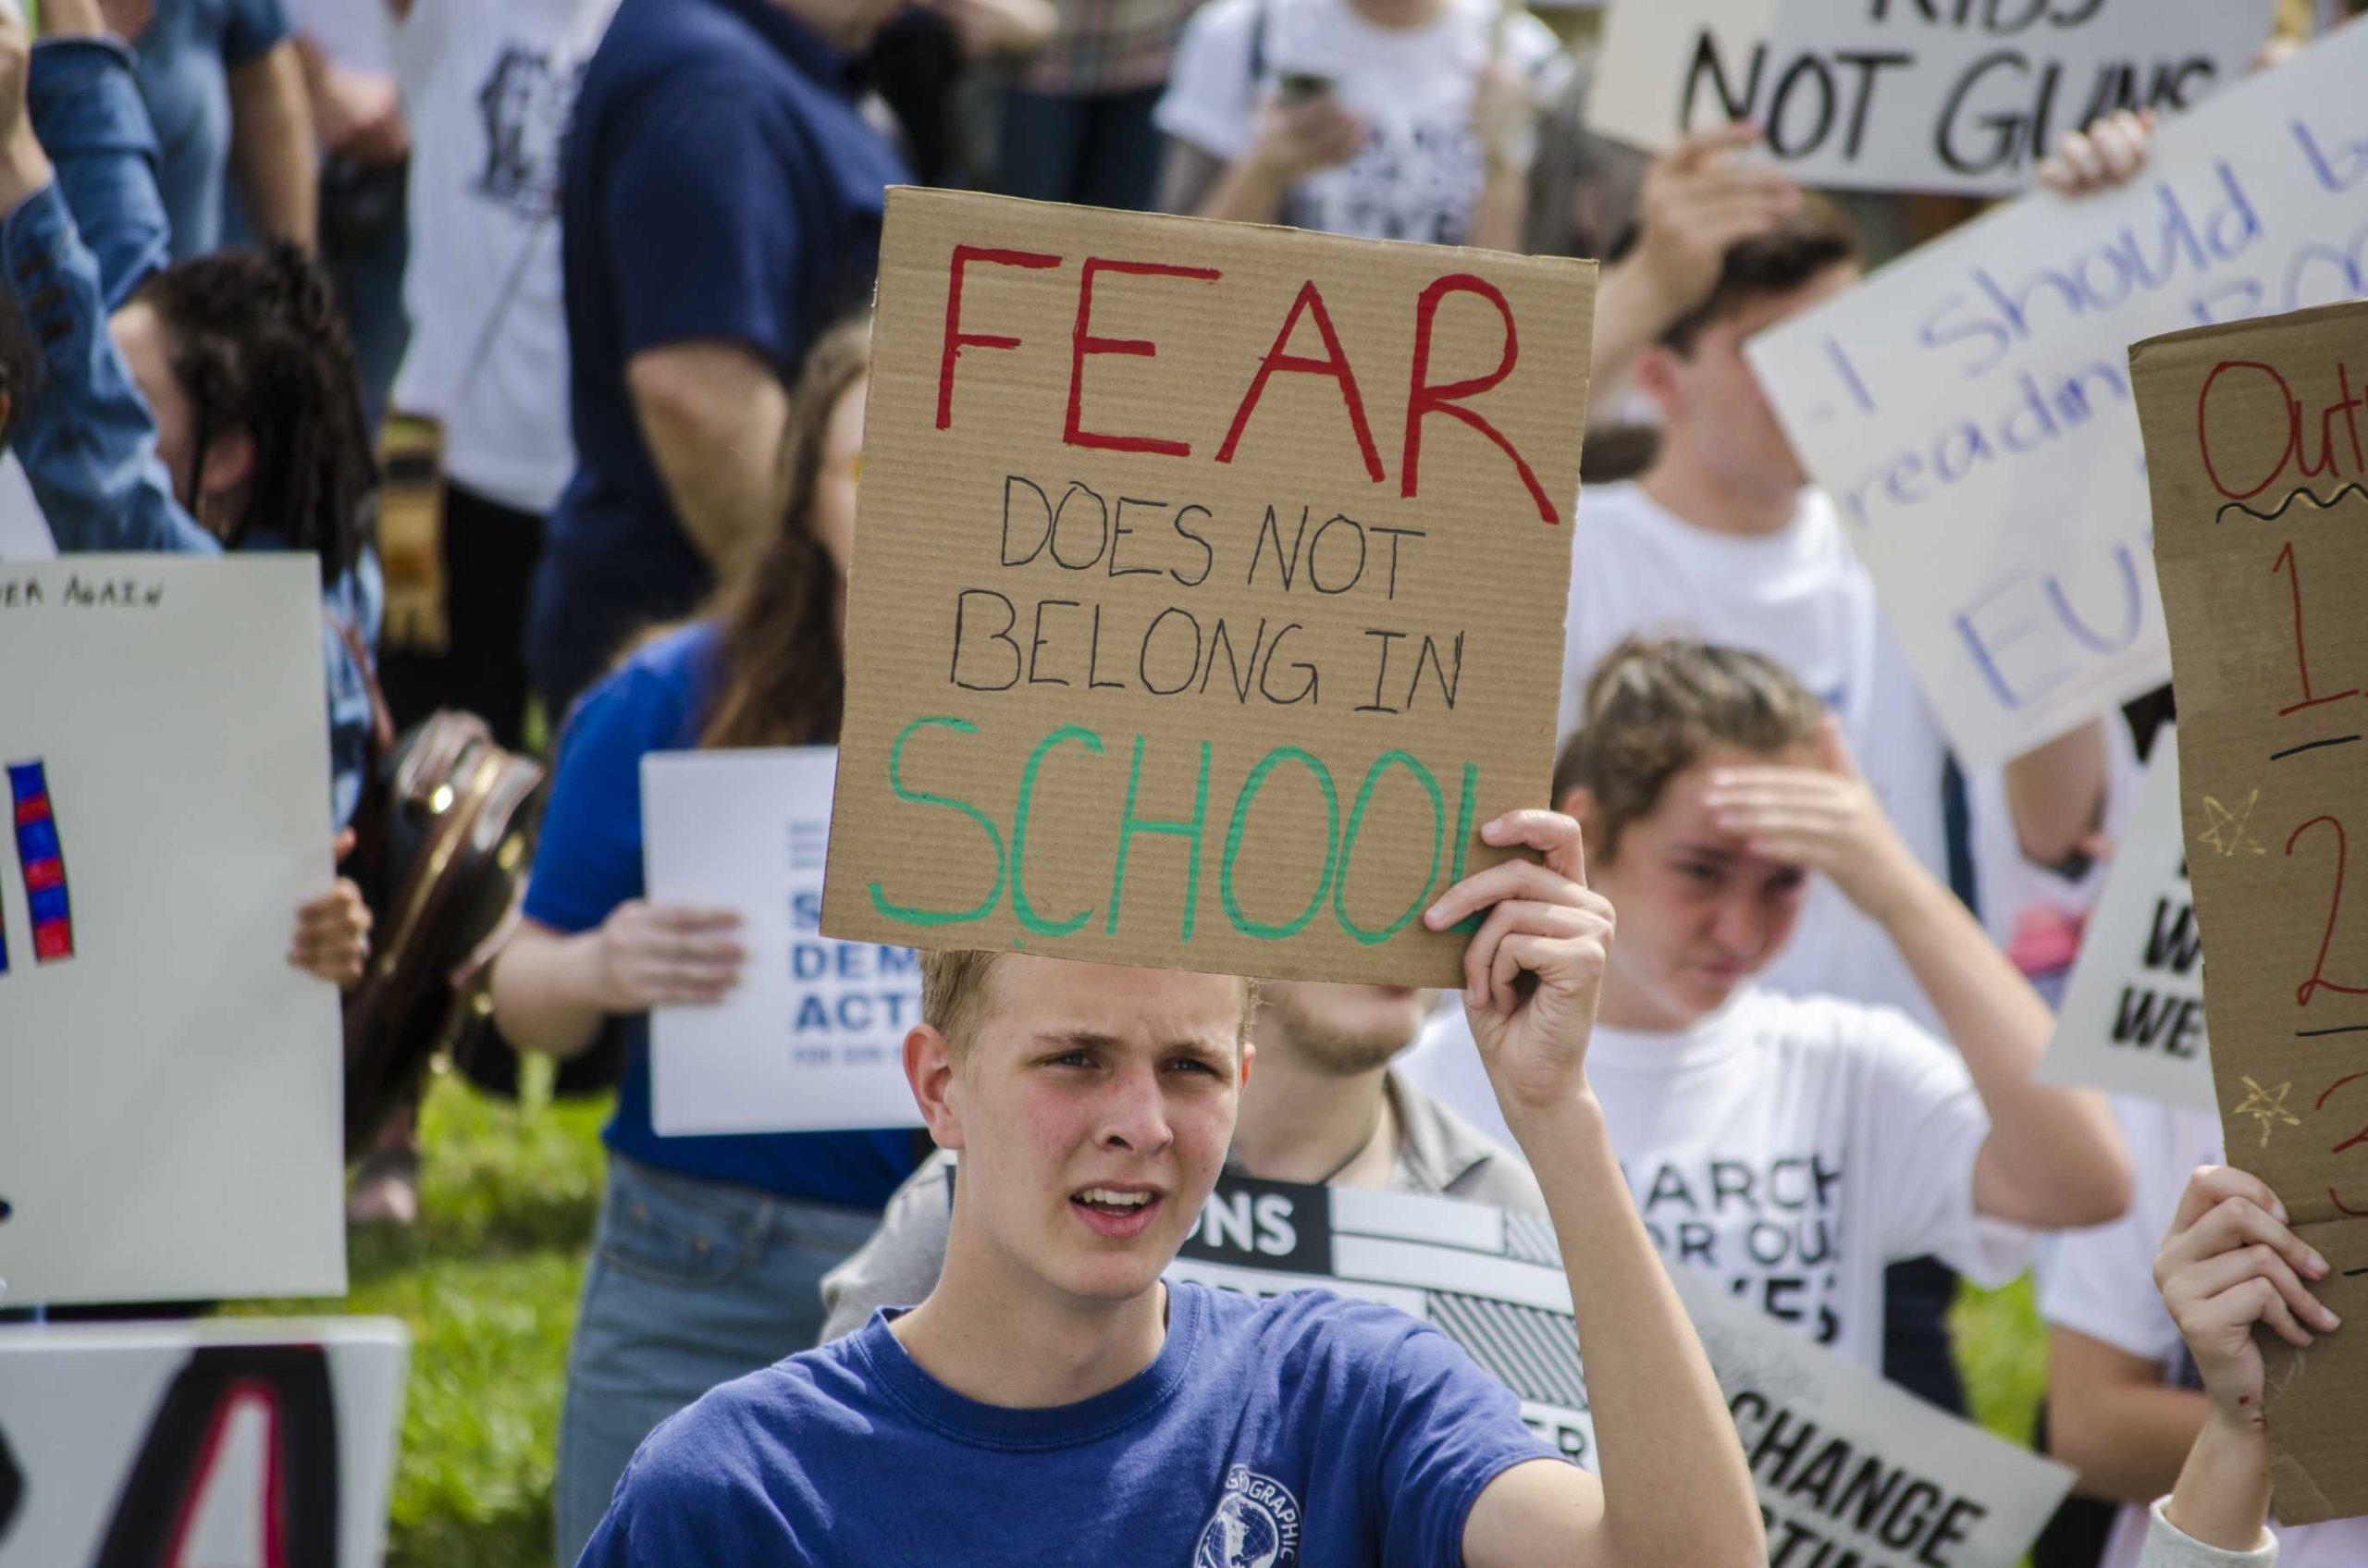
691	1283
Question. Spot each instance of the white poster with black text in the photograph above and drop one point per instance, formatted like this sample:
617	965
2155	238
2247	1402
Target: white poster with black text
1848	1468
1910	94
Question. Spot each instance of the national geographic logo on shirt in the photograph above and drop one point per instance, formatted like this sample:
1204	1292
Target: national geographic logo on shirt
1255	1524
1251	1224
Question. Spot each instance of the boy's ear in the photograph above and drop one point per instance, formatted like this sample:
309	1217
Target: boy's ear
930	1067
1655	375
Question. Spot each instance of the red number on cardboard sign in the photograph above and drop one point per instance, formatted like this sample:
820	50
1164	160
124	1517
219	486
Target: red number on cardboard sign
2293	570
2318	981
2351	1142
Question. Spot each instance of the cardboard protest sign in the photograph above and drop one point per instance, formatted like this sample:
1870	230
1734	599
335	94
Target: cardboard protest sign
2132	1018
167	1080
812	1038
1208	587
1969	406
1906	94
2253	447
219	1443
1843	1462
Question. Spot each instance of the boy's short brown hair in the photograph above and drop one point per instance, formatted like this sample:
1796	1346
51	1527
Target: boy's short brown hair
954	993
1817	235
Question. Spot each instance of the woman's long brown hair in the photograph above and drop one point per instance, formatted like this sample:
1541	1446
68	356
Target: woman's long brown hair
784	680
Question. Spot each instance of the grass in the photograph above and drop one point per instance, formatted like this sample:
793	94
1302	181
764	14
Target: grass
487	1282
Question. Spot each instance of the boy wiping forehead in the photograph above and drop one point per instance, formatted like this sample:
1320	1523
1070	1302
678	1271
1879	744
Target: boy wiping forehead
1053	1394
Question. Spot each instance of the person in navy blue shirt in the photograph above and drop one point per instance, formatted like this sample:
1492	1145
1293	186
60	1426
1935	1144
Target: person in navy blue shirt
1053	1399
710	1251
720	200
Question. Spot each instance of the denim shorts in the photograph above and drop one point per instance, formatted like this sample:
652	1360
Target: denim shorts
691	1283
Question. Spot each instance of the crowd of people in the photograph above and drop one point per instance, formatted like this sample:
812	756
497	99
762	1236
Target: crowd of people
604	264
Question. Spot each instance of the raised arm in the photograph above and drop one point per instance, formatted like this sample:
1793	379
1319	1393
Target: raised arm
1532	973
2231	1273
2053	1157
1697	204
89	116
85	438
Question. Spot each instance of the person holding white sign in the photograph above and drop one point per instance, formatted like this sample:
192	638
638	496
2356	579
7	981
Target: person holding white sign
1326	1109
2230	1272
1791	1145
1053	1395
710	1250
88	441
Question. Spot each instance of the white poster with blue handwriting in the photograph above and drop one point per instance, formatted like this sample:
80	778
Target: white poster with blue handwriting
811	1038
1969	407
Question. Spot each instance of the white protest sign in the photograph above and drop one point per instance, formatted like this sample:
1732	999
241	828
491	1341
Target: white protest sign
219	1444
2133	1012
812	1038
1843	1462
1911	94
171	1121
1969	407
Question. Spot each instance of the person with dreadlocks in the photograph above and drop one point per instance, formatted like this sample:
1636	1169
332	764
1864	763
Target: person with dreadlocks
220	409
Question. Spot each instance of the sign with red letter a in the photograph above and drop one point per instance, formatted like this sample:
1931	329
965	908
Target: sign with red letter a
1208	587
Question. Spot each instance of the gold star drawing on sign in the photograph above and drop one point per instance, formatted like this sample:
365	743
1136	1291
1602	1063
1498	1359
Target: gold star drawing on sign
2231	831
2268	1107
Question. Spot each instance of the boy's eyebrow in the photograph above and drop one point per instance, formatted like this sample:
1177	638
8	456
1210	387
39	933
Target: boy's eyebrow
1077	1039
1706	851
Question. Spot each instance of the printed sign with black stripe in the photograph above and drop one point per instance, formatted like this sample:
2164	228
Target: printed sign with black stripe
1848	1468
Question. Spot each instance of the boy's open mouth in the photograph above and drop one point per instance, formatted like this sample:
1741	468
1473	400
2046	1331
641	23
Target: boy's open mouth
1115	1211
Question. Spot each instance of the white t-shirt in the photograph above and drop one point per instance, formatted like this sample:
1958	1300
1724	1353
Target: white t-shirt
1790	1147
1800	596
1420	172
488	89
2101	1282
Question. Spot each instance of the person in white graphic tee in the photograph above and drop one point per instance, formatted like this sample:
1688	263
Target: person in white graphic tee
1388	120
1793	1145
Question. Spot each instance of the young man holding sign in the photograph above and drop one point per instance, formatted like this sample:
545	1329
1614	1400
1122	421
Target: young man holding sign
1094	1106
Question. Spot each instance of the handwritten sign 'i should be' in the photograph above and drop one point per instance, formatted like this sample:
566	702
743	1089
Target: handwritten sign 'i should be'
1208	586
2257	449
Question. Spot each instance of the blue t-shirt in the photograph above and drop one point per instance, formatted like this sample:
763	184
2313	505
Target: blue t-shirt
718	183
184	57
589	861
1304	1431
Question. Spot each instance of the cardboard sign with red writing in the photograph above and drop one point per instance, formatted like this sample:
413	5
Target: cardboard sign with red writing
2256	451
1208	586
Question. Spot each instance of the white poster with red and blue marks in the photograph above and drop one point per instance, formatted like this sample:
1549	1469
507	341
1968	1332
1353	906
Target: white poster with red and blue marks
170	1118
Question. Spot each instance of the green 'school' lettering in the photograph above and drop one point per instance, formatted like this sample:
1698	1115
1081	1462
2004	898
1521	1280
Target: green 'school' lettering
1332	870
